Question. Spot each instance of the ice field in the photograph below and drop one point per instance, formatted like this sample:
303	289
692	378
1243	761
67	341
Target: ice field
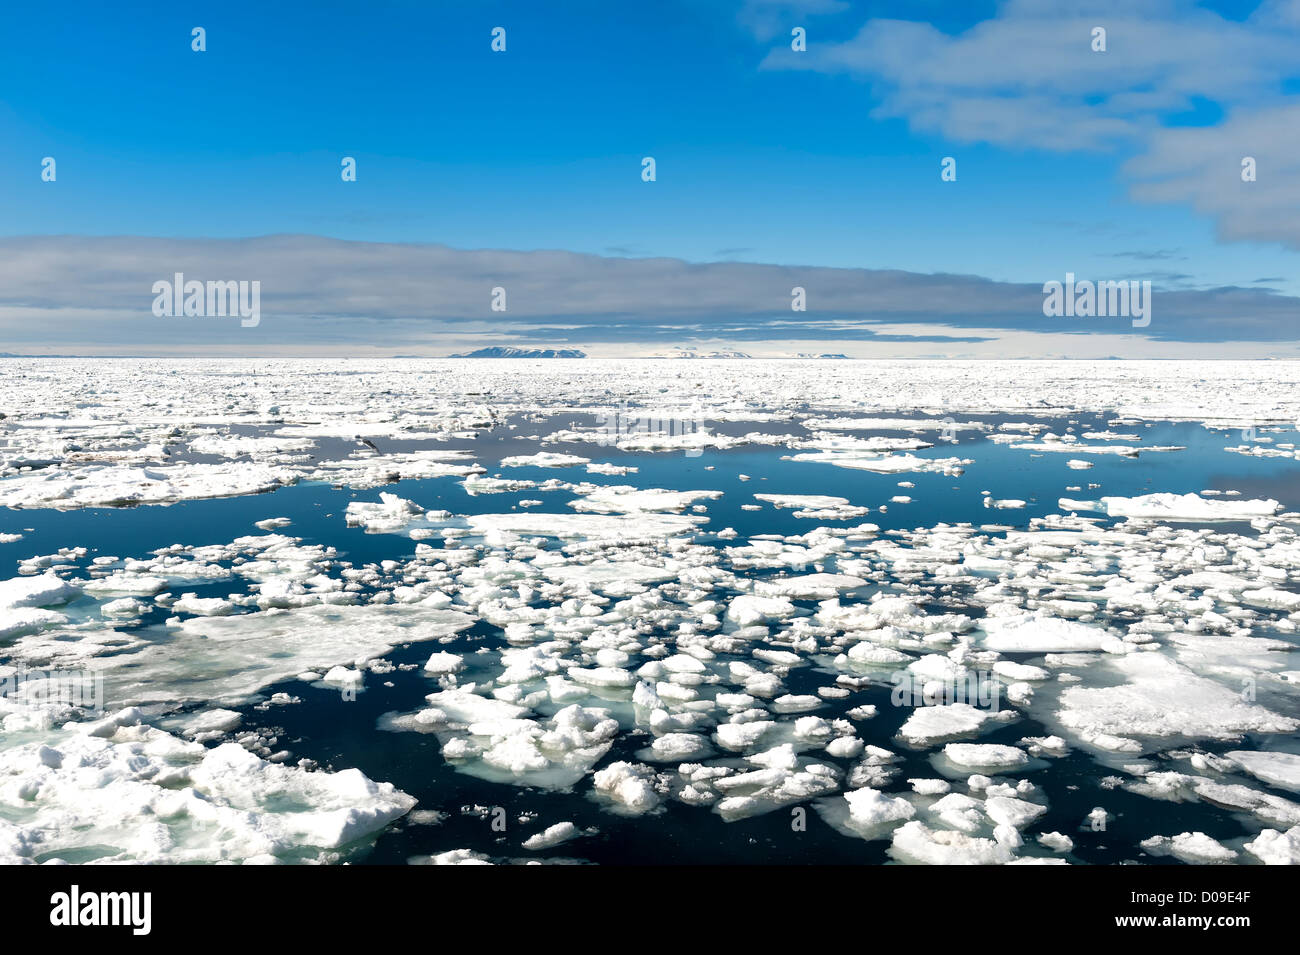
589	611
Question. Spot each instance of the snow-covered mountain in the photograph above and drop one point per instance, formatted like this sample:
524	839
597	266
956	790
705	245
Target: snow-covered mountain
511	351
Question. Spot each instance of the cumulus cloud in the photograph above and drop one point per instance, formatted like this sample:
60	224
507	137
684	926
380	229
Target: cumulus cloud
1203	167
1029	78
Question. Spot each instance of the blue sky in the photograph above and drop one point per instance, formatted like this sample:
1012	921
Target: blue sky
827	158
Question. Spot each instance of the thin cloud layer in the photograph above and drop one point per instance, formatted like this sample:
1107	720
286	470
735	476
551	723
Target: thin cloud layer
64	291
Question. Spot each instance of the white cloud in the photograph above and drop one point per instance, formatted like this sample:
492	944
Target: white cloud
1203	167
1029	78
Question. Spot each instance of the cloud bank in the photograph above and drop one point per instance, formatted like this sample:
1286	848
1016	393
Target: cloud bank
64	294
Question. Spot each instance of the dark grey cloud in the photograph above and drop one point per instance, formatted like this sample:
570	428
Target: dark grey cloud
321	291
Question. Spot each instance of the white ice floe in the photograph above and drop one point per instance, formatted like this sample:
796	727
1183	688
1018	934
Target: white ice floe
629	786
1276	769
871	807
1039	633
1276	848
1160	698
552	836
1176	507
1193	847
973	756
119	791
934	724
625	499
543	459
916	843
820	507
442	663
883	463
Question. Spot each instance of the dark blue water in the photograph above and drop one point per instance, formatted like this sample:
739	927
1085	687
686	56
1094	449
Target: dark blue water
340	734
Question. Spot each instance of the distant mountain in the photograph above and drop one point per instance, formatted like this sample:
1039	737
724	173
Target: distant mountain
510	351
694	353
836	355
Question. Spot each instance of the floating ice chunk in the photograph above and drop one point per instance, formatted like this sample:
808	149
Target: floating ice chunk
985	756
845	747
615	577
869	654
808	586
1045	745
930	787
934	724
1009	811
1276	848
1272	598
916	843
747	609
229	658
552	836
680	747
137	794
1071	445
1270	808
741	736
816	506
871	807
342	676
883	464
1056	841
210	722
613	470
442	663
47	590
115	485
391	514
1038	633
462	705
543	459
613	527
1187	507
796	703
453	857
1020	671
625	499
1193	847
198	606
1160	699
602	676
629	785
1276	769
18	621
785	780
